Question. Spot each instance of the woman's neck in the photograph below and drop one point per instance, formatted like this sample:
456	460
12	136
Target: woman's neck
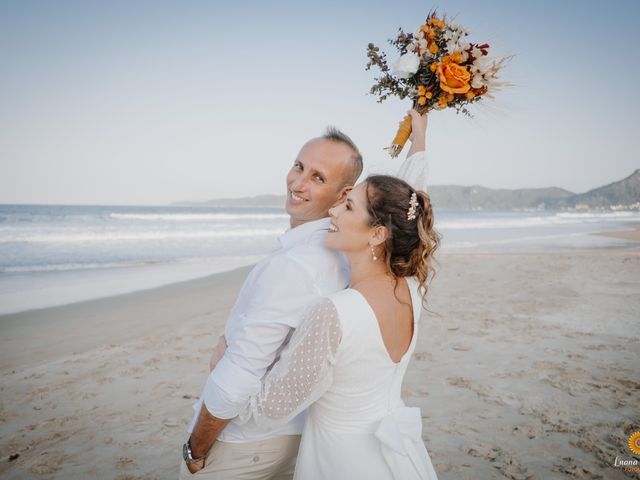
363	267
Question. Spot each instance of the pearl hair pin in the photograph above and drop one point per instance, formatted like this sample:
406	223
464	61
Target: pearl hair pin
413	205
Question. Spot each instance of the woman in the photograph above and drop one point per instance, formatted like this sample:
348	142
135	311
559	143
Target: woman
347	361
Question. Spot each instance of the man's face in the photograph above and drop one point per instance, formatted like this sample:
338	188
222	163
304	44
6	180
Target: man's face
316	181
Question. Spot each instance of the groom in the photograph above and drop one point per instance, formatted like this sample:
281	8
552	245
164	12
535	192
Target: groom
272	303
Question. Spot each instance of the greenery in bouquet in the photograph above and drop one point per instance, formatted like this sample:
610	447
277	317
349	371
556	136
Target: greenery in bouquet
437	68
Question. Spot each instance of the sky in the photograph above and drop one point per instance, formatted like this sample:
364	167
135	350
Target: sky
152	102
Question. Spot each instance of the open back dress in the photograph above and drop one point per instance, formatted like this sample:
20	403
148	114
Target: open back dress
336	365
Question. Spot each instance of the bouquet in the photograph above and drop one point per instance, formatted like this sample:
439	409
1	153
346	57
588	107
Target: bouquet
437	68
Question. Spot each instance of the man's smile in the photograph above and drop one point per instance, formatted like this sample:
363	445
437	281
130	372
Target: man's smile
296	198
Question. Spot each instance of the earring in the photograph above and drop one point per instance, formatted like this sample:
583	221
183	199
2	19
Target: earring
373	253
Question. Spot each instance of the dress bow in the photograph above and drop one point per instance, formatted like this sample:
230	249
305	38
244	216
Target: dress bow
400	434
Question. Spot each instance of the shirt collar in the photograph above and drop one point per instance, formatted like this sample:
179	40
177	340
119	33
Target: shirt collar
303	232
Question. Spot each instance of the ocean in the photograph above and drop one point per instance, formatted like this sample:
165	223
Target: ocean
53	255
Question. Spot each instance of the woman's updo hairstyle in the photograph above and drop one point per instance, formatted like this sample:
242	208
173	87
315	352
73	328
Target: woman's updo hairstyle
411	242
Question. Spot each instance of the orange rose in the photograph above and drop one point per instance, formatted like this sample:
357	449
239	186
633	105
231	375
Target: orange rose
454	78
422	101
455	57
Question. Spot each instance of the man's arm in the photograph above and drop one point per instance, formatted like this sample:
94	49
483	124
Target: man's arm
275	307
208	428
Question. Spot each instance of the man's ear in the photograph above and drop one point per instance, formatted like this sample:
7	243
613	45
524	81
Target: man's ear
379	235
342	194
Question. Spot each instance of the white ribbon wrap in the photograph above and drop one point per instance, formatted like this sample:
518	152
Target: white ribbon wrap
400	434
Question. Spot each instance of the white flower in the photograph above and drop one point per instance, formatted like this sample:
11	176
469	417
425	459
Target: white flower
451	46
477	81
460	29
423	45
481	65
476	52
407	65
411	47
464	56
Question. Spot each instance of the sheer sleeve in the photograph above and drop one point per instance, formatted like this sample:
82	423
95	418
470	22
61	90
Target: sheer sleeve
415	171
303	372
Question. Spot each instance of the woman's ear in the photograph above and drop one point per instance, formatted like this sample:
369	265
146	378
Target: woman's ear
379	235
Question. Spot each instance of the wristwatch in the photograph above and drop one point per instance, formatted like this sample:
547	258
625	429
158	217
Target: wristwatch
188	456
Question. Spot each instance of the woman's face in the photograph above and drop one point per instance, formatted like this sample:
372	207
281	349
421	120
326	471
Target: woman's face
350	231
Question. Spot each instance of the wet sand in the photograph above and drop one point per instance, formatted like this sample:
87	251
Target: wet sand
633	235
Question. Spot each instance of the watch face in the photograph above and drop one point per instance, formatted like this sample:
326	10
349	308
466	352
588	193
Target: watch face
185	452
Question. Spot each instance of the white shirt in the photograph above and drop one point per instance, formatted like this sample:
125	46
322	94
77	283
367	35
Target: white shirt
272	302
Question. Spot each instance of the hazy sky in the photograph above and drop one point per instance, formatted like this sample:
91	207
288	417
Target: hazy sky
153	102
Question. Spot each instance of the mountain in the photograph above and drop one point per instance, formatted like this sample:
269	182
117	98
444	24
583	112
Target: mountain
623	194
477	197
444	196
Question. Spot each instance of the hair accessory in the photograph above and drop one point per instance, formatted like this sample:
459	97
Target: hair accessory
413	205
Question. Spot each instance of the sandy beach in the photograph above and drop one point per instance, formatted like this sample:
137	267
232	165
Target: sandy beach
526	368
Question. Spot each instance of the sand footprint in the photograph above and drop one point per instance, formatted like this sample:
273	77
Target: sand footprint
125	462
502	461
572	470
484	392
48	462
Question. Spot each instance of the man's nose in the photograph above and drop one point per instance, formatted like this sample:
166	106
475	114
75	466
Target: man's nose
299	183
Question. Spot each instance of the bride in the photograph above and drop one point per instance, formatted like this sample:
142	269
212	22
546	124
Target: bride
347	360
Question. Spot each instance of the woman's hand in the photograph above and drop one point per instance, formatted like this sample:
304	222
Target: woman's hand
418	132
218	352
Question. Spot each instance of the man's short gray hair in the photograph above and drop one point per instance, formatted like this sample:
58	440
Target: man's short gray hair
335	135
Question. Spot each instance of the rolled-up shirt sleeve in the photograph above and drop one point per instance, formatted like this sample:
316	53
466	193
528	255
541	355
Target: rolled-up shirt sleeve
285	292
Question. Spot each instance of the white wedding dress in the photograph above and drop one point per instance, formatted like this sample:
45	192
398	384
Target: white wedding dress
337	366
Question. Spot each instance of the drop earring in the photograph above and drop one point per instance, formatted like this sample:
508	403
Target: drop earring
373	253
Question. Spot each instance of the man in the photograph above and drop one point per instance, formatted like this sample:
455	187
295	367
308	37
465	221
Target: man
271	303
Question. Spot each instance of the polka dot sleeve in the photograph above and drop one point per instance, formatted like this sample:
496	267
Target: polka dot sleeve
303	372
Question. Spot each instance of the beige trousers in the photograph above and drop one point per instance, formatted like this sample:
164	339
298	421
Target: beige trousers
271	459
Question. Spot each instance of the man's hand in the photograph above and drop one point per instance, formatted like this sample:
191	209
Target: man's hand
218	352
196	466
418	132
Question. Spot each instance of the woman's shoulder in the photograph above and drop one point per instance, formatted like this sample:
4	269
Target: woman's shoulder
343	299
353	311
